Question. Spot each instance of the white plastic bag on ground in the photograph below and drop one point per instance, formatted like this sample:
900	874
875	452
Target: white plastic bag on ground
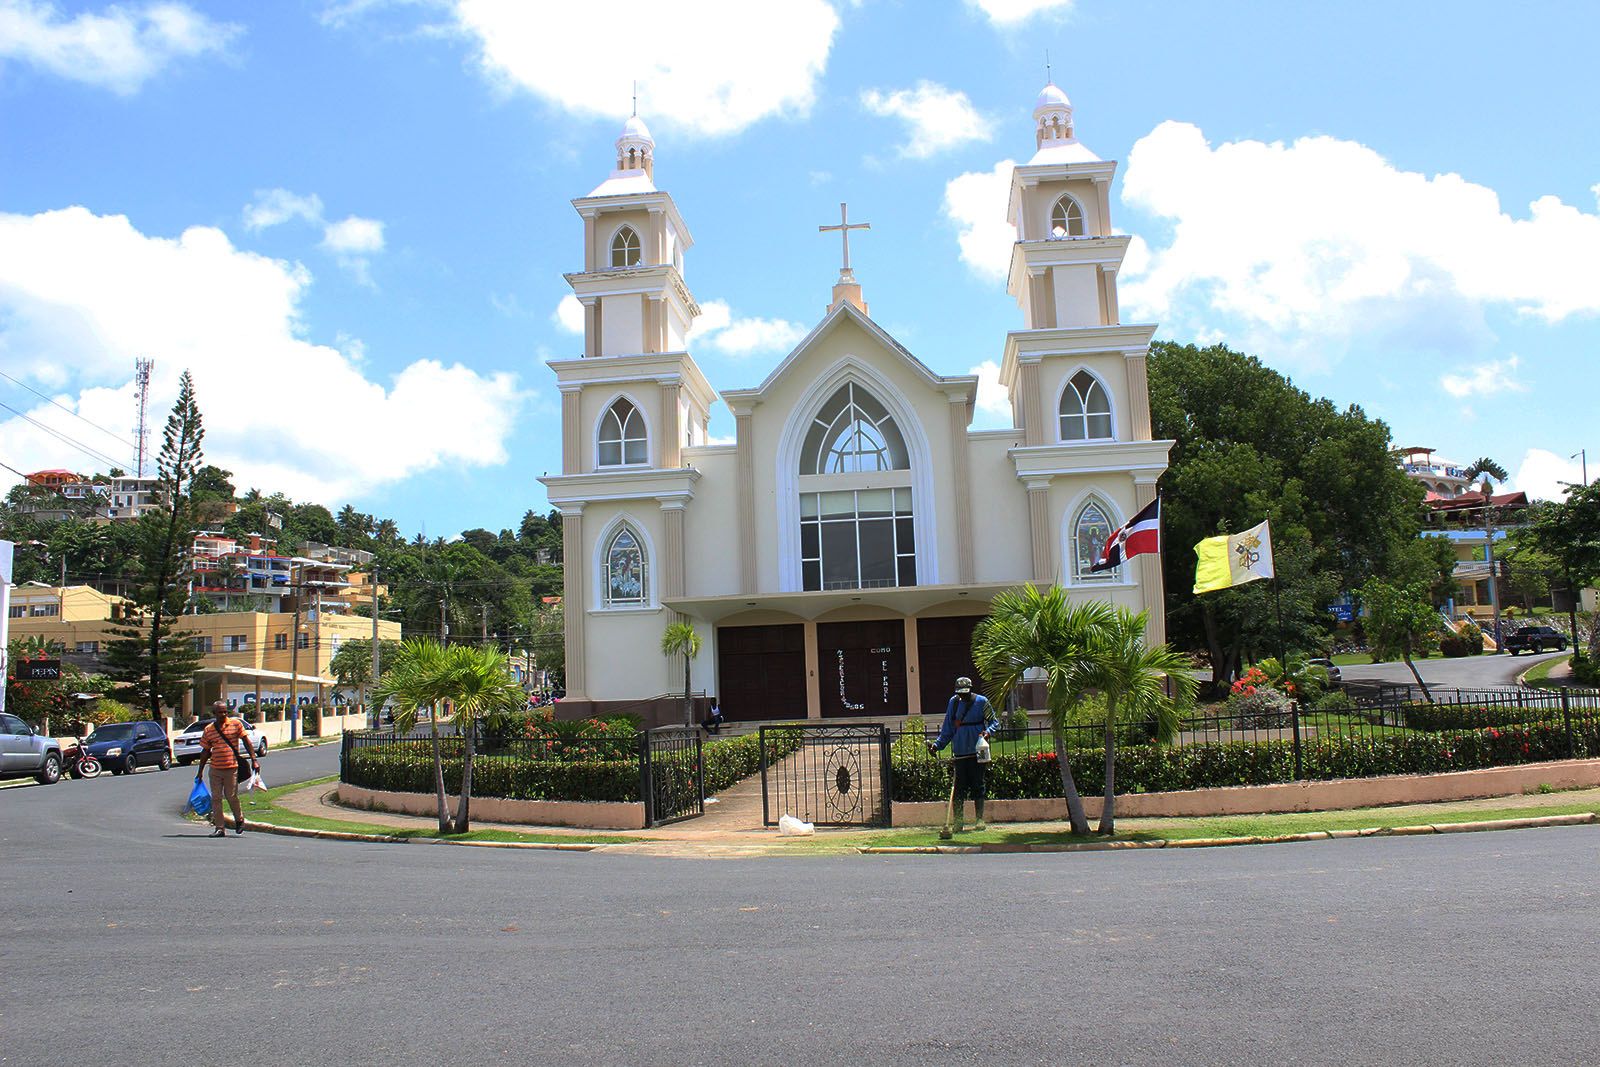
789	826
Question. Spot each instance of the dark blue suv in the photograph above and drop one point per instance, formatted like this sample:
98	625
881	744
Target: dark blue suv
124	747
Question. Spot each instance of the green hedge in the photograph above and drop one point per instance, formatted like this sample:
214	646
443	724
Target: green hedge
733	759
1436	717
1151	769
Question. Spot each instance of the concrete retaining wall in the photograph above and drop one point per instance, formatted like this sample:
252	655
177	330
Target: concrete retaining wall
1333	795
589	815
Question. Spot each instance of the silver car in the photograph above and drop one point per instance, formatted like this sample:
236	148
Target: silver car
24	753
186	745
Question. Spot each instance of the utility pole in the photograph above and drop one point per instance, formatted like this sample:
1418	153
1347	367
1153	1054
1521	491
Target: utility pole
1583	453
484	637
294	670
1488	557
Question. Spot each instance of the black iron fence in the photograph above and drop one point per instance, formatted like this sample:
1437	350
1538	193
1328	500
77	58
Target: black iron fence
1458	730
831	774
672	774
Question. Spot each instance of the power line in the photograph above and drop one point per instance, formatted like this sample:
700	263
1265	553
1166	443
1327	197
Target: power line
69	411
79	445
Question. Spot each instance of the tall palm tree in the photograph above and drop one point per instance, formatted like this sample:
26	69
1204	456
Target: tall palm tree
1486	469
1136	680
473	682
680	638
1027	629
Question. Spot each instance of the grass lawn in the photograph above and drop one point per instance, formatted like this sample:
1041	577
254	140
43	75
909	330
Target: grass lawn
1540	671
260	807
1229	825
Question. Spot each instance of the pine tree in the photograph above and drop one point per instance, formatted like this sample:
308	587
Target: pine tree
150	653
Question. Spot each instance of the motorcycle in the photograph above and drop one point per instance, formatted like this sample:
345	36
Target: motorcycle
78	762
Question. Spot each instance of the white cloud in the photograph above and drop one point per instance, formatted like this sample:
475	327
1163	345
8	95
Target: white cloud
976	203
351	242
1485	379
992	399
568	315
1323	236
275	206
717	328
118	49
1013	11
937	118
1545	475
707	67
82	295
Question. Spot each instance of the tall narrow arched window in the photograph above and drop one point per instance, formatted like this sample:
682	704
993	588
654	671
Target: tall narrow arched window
625	248
855	532
1089	533
853	433
1066	218
627	582
1085	409
623	438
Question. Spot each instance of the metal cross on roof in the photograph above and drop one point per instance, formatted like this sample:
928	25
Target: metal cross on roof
844	228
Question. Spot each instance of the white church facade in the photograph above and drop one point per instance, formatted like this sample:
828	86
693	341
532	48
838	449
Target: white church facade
836	557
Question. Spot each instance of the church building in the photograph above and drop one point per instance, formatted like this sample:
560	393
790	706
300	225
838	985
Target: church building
837	556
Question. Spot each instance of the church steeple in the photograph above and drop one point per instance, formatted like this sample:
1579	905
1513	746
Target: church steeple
635	147
1052	117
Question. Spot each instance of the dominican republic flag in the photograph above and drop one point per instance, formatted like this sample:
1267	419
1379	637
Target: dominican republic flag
1141	534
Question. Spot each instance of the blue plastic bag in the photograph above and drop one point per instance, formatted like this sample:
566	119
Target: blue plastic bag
200	798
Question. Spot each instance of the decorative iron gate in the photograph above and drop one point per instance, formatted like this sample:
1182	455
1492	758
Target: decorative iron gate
672	774
833	775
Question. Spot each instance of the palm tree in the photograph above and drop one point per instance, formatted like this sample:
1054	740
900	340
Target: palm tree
1136	681
1487	468
472	681
1027	630
680	638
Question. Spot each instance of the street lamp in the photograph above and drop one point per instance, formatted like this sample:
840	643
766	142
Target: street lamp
1584	454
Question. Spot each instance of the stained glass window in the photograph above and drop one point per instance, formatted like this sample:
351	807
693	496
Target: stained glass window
626	581
1089	536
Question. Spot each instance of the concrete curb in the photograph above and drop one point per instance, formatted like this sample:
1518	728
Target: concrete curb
1579	819
389	839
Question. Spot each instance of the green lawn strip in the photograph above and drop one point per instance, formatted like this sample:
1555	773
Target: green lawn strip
1227	826
1540	671
259	807
1364	659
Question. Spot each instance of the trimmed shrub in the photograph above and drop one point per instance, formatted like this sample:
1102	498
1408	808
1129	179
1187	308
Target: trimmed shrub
1436	717
732	759
1334	701
1015	727
1261	706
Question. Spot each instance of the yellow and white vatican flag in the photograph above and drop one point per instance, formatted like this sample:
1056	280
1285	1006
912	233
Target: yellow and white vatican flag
1233	559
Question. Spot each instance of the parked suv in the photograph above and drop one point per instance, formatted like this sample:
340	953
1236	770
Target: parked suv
1536	639
24	753
186	746
124	747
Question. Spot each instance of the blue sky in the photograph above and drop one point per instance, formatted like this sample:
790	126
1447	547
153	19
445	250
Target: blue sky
349	218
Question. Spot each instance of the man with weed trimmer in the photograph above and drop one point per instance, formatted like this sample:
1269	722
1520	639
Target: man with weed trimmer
968	721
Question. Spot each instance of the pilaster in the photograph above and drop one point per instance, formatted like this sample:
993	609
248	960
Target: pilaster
591	327
1139	398
571	432
1044	568
960	446
672	569
1152	583
744	455
671	432
1032	405
574	569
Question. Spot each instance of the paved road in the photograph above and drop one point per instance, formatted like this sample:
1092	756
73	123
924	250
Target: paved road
1458	949
1467	672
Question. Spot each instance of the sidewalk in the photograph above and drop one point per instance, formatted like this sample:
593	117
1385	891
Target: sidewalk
732	825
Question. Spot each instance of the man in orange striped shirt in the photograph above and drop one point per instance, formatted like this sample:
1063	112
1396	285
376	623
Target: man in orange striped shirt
220	746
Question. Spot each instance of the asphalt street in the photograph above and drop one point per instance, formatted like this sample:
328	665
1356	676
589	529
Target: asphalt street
131	935
1468	672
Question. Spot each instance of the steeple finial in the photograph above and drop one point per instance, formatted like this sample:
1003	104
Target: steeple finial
1047	78
636	97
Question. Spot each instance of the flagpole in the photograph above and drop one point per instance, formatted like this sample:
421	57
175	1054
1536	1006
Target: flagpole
1277	601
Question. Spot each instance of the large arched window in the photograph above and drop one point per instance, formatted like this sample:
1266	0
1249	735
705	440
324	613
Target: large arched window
1085	409
627	580
855	535
625	248
623	439
1090	529
853	433
1066	218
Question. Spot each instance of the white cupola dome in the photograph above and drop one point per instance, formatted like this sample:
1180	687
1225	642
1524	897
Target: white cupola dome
635	147
1052	117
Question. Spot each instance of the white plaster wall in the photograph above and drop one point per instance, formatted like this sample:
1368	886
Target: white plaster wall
711	525
621	325
677	329
1002	546
930	407
1067	494
622	648
1039	202
1112	368
1077	295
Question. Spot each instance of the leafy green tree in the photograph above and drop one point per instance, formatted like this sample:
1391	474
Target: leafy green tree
1248	446
1401	621
149	653
1140	684
1027	629
1568	533
352	664
681	639
465	682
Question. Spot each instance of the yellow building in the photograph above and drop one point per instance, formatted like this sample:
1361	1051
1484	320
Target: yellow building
79	619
